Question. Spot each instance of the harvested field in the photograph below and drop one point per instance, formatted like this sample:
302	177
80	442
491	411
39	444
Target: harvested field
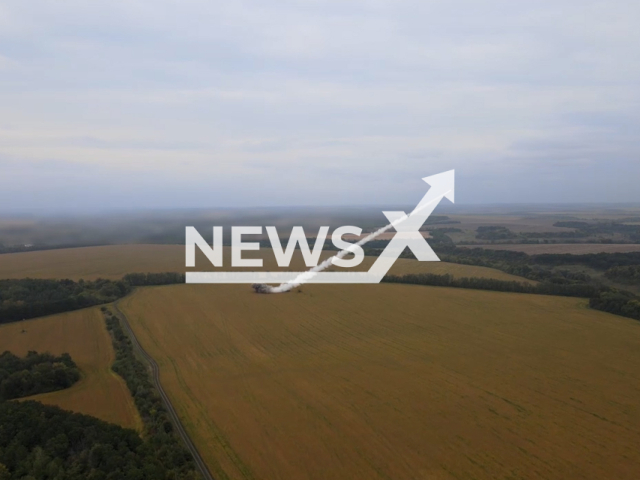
396	382
115	261
100	393
574	248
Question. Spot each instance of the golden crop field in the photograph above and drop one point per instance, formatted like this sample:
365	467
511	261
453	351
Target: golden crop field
396	382
100	392
117	260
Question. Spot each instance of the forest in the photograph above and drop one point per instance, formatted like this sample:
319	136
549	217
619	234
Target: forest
35	373
21	299
158	429
29	298
39	442
629	274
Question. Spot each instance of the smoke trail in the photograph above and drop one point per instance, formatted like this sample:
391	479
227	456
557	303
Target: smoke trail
304	277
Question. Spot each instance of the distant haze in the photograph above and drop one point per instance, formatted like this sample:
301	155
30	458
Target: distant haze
207	104
168	226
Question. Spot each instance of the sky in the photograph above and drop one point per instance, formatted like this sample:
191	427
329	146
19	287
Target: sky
160	104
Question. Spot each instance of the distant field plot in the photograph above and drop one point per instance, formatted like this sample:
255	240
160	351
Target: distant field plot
574	248
83	335
115	261
396	382
89	263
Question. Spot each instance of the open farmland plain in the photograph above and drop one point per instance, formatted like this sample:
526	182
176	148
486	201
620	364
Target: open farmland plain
396	381
82	334
115	261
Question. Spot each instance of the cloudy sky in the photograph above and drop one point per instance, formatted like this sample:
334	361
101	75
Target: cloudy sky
127	104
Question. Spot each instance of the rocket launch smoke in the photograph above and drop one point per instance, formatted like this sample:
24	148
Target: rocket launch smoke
430	200
304	277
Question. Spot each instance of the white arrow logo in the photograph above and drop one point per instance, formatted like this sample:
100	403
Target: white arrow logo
408	226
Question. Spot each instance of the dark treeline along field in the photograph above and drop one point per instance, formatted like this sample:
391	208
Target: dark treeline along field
34	248
36	373
159	433
446	280
29	298
492	233
39	442
610	300
542	268
591	232
629	274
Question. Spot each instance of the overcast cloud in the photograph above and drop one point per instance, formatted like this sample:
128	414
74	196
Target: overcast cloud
214	104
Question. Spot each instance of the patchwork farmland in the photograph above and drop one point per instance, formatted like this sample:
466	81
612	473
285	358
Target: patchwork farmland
115	261
82	334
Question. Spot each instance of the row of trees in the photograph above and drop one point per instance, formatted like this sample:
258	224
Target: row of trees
599	261
446	280
630	232
36	373
492	233
39	442
543	268
616	301
148	279
535	267
29	298
36	247
629	274
158	429
600	297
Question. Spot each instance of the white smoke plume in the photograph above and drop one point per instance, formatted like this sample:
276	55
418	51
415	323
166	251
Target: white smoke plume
304	277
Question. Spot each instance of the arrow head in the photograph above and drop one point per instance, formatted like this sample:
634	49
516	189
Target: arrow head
443	183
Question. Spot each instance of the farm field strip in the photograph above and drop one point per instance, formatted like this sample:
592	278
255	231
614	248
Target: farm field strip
83	334
114	261
396	381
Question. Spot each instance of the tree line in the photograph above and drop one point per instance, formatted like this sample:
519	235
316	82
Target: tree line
534	267
41	442
158	430
447	280
545	268
36	373
602	298
29	298
629	274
